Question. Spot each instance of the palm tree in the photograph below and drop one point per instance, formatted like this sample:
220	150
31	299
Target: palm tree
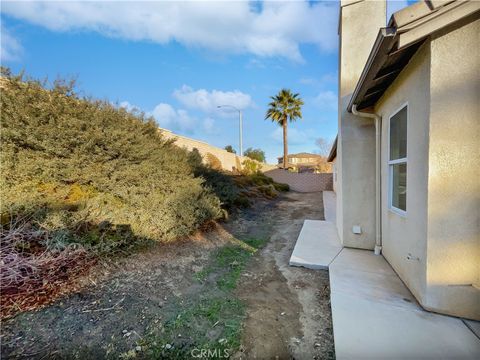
284	106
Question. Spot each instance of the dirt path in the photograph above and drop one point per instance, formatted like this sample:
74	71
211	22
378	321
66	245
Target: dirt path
128	304
289	308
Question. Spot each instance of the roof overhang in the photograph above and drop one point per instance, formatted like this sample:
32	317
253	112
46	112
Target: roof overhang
333	151
396	44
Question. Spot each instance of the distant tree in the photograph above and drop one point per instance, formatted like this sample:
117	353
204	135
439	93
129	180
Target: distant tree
230	149
324	146
285	106
255	154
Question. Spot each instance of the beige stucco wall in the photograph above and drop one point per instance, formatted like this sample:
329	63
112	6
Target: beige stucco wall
441	85
229	161
453	260
335	175
356	136
302	182
406	234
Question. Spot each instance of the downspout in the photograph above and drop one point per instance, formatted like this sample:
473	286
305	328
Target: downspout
378	203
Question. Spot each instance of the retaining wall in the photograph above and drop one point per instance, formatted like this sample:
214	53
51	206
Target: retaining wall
211	154
303	182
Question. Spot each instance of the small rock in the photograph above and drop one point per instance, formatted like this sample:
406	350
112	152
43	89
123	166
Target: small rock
124	331
317	345
168	346
282	313
138	348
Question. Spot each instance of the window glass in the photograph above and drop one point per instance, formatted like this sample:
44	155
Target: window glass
399	186
398	135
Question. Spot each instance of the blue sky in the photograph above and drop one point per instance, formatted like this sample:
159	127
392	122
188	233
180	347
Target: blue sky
178	61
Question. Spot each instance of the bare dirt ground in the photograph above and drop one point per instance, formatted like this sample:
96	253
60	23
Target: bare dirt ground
289	314
287	309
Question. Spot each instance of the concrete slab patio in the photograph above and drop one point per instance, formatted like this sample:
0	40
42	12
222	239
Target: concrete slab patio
316	246
318	235
330	206
376	317
374	314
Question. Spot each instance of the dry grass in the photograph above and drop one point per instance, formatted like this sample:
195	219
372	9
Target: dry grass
31	275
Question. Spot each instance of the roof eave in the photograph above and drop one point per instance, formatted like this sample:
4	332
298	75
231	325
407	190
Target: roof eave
384	35
396	44
333	151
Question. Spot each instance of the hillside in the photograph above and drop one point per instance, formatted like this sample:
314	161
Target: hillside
83	178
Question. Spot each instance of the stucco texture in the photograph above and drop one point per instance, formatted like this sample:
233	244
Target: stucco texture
453	263
406	234
435	246
356	137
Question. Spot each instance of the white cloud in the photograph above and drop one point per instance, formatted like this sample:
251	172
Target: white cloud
127	106
172	119
326	100
325	79
207	101
255	64
267	29
11	49
209	126
294	136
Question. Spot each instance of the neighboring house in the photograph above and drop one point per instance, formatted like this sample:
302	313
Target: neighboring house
306	162
407	155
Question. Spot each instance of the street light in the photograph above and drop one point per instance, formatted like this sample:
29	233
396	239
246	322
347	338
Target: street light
239	123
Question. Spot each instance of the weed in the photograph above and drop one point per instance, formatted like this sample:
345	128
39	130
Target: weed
213	321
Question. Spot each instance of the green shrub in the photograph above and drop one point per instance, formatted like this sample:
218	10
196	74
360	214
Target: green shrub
242	201
281	187
250	167
220	182
69	161
268	191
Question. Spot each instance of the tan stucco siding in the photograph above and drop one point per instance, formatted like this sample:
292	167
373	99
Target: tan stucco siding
406	234
356	136
454	174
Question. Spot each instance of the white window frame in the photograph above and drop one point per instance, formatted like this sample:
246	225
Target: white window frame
396	161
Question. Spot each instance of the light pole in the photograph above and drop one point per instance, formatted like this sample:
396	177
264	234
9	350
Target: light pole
239	124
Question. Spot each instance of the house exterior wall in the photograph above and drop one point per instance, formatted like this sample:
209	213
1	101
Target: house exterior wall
356	135
453	250
406	234
335	175
440	229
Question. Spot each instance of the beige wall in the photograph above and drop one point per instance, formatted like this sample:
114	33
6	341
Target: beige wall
441	226
356	136
453	261
406	234
335	175
228	160
302	182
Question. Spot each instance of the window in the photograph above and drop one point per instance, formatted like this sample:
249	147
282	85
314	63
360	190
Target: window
398	160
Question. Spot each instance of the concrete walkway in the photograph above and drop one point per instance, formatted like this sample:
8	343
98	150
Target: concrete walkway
316	246
330	206
374	314
376	317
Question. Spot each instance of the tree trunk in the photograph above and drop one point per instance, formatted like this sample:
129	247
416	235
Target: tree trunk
285	145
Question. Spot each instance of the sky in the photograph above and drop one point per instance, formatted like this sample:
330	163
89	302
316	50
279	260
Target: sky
178	61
